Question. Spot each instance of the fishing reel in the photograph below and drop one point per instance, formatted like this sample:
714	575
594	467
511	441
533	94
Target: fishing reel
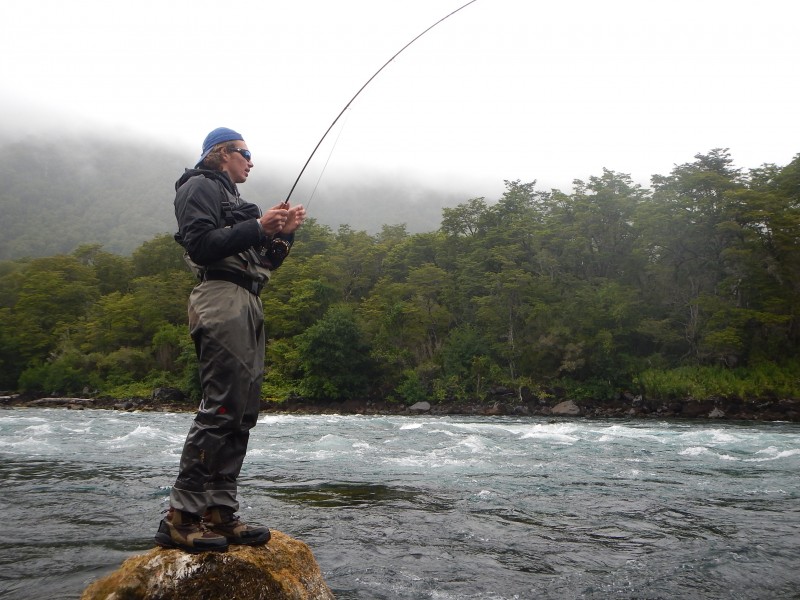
274	252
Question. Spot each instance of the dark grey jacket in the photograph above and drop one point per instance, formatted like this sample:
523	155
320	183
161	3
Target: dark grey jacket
202	229
213	239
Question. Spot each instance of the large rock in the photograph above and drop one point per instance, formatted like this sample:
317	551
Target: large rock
284	569
568	407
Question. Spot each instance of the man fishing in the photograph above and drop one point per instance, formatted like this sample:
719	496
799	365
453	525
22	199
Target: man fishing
232	248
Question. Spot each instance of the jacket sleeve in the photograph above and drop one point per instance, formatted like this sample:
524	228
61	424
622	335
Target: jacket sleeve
201	228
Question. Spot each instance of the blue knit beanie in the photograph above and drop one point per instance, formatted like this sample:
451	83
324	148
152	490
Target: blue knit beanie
219	135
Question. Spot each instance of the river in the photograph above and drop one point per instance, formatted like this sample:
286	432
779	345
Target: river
427	507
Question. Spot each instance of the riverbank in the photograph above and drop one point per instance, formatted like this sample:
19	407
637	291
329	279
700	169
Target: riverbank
503	403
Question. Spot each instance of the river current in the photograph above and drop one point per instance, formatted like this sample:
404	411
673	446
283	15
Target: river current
427	507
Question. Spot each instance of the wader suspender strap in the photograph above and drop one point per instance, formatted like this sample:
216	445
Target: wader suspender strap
227	206
227	213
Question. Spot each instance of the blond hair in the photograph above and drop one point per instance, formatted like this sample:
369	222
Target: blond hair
214	159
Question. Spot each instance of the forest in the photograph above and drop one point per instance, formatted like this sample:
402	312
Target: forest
690	288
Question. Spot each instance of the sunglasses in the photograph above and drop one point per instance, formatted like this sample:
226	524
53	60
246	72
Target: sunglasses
245	153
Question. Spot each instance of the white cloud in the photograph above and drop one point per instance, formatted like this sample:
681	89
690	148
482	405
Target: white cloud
505	89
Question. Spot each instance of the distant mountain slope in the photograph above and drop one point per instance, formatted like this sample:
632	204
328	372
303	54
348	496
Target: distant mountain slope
55	196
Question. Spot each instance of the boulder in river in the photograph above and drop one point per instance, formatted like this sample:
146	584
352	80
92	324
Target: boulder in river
283	569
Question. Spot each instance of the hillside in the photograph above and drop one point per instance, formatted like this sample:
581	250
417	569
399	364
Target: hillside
57	195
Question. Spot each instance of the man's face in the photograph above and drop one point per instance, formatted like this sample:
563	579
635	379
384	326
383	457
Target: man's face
235	164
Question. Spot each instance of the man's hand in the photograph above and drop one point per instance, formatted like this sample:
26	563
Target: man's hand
274	219
297	215
282	219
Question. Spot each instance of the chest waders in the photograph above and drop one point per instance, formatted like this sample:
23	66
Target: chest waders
226	322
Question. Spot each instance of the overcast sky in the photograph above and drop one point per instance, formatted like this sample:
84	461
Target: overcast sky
504	89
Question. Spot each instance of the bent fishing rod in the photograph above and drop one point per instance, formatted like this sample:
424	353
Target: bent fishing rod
346	106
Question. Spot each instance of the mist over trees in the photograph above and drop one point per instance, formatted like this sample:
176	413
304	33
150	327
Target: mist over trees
689	288
59	194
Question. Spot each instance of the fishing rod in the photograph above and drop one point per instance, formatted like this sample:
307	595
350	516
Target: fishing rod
346	106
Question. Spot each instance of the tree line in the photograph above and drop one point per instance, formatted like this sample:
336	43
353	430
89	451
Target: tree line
689	288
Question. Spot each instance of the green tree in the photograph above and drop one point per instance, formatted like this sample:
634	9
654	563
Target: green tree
162	298
112	323
334	357
690	228
158	256
463	357
167	344
464	219
54	294
356	263
113	272
601	227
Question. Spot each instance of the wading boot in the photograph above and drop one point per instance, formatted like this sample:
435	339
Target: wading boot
187	532
221	520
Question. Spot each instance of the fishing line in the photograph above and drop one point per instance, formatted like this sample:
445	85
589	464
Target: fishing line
346	106
325	166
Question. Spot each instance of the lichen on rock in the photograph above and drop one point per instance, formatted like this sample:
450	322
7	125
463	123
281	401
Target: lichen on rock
283	569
